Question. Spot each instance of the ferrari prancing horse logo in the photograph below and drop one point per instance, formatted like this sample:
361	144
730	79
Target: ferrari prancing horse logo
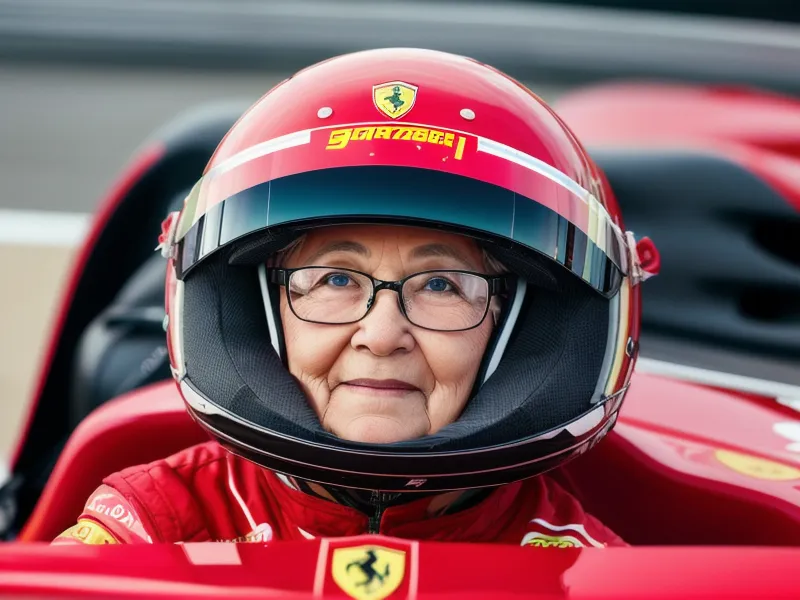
368	572
394	98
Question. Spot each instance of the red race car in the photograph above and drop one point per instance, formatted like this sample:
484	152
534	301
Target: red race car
701	473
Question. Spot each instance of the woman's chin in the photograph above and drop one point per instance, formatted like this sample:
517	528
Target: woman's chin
378	429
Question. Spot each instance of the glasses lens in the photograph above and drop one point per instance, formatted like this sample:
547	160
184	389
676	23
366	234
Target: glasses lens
446	300
329	295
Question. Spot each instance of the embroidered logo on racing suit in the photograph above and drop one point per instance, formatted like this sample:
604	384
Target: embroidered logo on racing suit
262	533
111	506
107	505
546	535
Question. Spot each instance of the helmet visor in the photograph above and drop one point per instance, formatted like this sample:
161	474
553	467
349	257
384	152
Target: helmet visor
474	186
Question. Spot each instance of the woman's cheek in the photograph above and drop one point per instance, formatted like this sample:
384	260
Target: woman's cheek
454	359
311	353
310	364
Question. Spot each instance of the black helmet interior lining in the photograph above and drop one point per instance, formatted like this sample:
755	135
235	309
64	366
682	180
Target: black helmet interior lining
546	378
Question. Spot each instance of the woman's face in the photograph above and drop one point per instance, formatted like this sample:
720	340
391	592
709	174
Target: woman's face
383	379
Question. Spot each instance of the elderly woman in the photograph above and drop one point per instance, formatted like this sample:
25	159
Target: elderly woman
398	296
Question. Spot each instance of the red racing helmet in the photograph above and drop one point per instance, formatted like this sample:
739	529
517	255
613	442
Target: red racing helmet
422	138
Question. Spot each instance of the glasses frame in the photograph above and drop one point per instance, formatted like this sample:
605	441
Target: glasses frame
498	284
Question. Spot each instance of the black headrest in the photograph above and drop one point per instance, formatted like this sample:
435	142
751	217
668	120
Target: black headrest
730	272
124	347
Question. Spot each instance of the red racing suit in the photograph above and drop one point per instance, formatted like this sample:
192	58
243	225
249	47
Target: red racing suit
204	493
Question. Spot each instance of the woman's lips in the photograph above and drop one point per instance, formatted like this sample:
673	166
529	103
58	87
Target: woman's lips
381	386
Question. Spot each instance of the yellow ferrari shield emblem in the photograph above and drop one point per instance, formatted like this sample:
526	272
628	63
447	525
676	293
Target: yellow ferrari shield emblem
395	98
368	572
756	467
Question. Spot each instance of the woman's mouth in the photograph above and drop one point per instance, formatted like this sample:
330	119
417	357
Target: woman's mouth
391	387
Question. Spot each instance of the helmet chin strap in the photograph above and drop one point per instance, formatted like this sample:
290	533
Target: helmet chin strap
273	314
502	335
374	503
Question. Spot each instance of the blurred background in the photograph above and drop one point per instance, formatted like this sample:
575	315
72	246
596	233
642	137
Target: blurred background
84	84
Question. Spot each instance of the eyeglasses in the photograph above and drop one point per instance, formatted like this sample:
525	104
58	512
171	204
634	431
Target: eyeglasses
437	300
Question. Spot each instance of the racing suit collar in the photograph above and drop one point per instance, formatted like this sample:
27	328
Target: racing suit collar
374	503
316	516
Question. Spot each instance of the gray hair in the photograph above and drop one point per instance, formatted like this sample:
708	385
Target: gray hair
492	265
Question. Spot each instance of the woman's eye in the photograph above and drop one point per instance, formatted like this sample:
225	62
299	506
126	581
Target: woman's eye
437	284
338	280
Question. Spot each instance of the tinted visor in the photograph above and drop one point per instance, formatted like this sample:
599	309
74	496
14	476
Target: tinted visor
406	195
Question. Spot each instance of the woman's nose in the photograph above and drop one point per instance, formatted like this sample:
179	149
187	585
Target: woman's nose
385	329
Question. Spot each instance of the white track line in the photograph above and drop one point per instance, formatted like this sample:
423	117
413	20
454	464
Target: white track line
42	228
785	393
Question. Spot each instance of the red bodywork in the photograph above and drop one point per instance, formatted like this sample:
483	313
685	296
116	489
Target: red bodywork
658	479
662	477
295	570
688	469
758	129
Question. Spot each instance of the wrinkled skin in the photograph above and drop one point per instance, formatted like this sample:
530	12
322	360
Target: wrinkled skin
440	367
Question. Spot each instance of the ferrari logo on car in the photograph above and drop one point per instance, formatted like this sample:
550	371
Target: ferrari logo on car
758	468
395	98
368	572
